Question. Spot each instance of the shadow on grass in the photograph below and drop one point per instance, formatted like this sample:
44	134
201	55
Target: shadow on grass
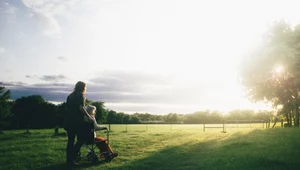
64	166
258	149
60	134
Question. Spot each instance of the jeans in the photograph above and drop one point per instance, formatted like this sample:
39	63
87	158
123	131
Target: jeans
72	150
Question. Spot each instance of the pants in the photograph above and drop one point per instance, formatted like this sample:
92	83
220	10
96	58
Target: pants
72	150
102	144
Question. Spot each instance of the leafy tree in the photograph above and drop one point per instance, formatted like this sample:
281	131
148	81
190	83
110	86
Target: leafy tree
144	117
27	109
60	114
101	112
172	118
240	115
127	119
202	117
135	119
271	72
197	117
5	106
112	117
44	117
263	115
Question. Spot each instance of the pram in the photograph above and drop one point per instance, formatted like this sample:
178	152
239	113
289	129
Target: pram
88	149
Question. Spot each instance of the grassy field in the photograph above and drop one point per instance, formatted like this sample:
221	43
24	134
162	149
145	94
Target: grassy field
165	147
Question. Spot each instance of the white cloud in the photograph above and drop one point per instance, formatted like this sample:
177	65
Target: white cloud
62	58
2	50
48	24
6	8
45	13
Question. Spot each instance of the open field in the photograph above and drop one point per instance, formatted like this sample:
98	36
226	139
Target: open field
231	127
168	147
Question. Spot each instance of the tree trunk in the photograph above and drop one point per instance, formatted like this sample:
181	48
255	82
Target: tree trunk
296	121
293	117
290	117
287	117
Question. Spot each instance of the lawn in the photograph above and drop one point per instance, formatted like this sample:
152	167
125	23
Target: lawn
165	147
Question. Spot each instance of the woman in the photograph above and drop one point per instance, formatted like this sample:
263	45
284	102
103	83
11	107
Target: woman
101	142
74	121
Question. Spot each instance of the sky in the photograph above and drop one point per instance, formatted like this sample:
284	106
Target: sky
145	56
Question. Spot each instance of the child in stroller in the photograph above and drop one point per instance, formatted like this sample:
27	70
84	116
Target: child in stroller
99	142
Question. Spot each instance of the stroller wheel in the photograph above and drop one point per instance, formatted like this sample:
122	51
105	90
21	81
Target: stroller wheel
95	159
90	156
108	158
78	157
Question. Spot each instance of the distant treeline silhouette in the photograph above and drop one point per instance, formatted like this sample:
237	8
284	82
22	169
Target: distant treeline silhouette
34	112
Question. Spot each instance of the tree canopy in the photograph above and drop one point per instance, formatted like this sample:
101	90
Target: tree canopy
5	105
271	72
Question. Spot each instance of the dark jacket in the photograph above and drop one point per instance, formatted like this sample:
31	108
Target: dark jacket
74	116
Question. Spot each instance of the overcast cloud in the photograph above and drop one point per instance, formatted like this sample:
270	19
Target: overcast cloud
155	56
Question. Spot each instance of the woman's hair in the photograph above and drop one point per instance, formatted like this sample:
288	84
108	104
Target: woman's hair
79	87
91	109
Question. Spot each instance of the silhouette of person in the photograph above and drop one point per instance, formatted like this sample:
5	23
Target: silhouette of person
74	121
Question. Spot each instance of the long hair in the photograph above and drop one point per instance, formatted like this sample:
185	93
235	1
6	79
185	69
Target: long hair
79	87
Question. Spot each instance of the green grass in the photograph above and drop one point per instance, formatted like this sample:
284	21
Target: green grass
163	147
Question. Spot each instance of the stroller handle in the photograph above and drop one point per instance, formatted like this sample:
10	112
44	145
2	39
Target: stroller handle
107	135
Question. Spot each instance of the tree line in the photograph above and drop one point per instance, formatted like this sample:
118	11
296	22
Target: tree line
34	112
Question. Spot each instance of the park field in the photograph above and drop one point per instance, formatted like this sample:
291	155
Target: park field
165	147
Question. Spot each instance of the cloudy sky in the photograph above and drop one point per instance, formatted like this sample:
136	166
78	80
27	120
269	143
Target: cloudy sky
155	56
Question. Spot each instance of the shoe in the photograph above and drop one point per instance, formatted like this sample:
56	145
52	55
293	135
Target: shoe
115	154
73	163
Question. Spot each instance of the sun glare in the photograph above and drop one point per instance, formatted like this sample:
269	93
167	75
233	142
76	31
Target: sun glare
279	69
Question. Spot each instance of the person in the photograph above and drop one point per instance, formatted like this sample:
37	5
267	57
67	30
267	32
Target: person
101	142
74	121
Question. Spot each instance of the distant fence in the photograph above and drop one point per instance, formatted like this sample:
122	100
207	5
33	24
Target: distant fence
218	126
246	124
226	125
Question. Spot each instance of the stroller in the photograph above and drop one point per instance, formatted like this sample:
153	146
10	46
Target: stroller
90	145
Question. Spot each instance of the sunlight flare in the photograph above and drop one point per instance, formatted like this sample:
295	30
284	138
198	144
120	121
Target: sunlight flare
279	69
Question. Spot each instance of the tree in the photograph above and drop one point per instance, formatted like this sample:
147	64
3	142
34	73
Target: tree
112	117
172	118
101	112
60	114
135	119
271	72
127	119
240	115
28	111
5	106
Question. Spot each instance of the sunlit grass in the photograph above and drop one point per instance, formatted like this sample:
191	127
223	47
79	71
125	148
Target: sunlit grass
163	148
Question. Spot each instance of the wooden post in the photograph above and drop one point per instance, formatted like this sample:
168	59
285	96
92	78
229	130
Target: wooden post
107	136
203	127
